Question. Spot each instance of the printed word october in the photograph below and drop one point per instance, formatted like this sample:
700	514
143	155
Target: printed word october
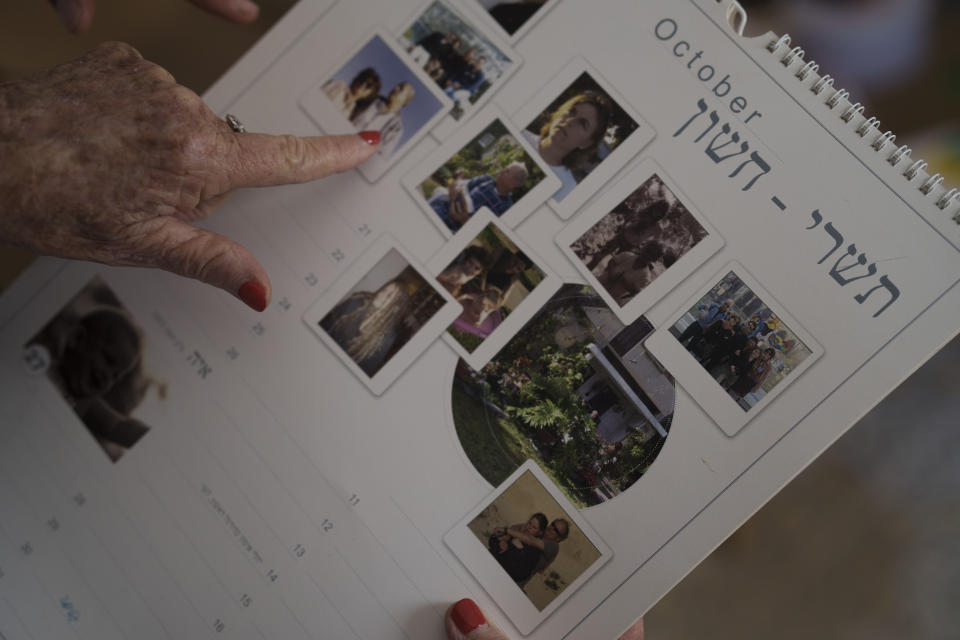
666	30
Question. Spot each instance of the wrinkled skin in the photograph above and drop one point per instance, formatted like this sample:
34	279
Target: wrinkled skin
107	158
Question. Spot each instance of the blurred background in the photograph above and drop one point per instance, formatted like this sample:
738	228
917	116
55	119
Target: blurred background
865	543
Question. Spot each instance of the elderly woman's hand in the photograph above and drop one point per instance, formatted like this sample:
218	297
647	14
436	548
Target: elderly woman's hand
465	621
78	14
107	158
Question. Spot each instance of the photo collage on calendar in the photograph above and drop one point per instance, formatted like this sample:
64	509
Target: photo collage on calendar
557	377
564	392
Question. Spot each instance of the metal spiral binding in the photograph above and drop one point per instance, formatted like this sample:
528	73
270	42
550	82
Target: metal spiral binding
930	184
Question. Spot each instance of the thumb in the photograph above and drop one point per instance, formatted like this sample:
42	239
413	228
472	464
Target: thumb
465	621
76	14
211	258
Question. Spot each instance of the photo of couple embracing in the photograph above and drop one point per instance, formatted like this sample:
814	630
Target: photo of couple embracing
530	547
542	544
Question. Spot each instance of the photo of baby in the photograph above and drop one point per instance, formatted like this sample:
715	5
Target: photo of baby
489	278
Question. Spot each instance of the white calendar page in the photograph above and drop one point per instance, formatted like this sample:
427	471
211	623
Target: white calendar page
174	465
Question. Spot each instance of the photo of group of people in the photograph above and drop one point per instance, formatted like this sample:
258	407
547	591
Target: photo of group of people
457	56
381	312
746	348
92	351
490	278
575	390
492	170
639	239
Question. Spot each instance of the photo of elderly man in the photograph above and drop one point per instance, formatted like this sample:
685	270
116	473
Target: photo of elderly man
492	170
466	195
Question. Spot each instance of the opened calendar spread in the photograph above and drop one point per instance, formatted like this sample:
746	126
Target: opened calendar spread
614	276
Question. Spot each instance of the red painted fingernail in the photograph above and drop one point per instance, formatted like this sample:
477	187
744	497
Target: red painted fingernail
370	137
467	616
254	295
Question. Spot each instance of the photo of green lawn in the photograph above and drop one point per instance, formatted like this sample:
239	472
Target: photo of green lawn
576	391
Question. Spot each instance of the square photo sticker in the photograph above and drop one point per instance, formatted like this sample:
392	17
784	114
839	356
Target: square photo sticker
584	131
467	63
734	348
381	314
638	240
486	164
378	88
528	547
92	352
496	280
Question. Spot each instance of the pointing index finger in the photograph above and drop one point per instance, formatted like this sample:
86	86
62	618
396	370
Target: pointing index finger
261	160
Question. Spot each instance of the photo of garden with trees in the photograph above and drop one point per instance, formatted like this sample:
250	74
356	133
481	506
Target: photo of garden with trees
576	391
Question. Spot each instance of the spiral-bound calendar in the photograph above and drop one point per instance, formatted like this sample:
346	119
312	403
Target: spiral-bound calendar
615	275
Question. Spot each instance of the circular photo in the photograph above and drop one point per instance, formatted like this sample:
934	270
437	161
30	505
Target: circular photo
576	391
